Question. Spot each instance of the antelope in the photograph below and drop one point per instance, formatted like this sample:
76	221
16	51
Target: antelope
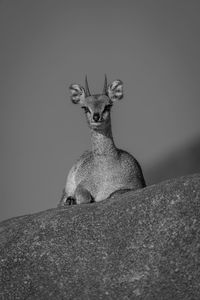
105	169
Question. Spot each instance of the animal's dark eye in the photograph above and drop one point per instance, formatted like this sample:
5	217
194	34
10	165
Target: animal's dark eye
107	108
86	109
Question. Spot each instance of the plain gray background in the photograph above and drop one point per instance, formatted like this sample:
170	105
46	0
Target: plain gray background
153	46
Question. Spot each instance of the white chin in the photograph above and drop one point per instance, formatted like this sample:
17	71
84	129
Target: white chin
96	124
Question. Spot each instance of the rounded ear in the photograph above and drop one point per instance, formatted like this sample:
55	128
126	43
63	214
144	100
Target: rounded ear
77	93
115	90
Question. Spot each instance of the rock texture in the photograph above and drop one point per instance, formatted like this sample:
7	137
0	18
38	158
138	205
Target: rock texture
138	245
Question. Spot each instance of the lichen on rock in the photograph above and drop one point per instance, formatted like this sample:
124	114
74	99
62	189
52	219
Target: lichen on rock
137	245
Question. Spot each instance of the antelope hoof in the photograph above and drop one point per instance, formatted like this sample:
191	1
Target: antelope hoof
70	201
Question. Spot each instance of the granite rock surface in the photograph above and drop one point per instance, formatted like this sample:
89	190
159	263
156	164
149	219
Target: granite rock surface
137	245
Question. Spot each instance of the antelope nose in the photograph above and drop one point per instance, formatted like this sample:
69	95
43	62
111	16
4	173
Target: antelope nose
96	117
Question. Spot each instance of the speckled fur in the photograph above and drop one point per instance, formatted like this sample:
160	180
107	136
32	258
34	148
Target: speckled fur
105	169
103	175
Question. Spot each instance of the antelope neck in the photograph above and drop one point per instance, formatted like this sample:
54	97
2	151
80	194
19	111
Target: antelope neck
102	142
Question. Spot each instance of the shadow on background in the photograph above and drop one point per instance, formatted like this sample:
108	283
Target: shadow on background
182	161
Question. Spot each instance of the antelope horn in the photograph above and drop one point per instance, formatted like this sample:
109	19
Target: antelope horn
87	91
105	86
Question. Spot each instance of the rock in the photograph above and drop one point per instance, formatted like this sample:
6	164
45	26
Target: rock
137	245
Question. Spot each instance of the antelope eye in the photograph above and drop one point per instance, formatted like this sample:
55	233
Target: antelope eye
107	108
86	109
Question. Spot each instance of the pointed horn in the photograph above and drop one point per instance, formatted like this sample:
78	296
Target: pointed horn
105	86
87	91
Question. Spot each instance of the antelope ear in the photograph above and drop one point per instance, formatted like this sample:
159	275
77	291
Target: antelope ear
77	93
115	90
